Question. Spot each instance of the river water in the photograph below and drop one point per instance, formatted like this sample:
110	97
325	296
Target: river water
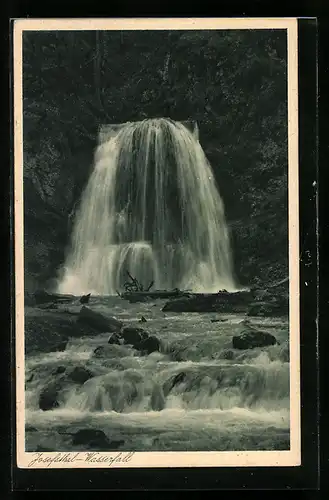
197	394
152	206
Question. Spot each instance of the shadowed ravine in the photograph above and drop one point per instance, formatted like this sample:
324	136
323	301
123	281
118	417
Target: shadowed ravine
196	394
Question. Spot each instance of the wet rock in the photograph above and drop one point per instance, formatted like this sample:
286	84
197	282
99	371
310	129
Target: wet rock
222	301
60	369
284	352
249	339
29	300
91	438
48	398
95	439
110	353
179	378
149	345
143	320
138	338
158	401
80	375
275	307
30	428
173	381
133	336
42	297
50	306
116	338
177	356
98	321
85	299
246	322
61	346
49	331
227	354
116	444
99	351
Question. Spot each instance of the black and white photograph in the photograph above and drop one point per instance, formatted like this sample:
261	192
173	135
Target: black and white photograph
156	239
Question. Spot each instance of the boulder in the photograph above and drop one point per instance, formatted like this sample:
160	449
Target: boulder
95	439
116	338
143	320
138	338
43	449
129	335
269	308
80	375
249	339
44	297
48	398
46	332
61	346
175	352
284	352
133	336
212	302
91	438
49	331
60	369
157	401
149	345
30	428
98	321
50	306
115	444
29	300
172	382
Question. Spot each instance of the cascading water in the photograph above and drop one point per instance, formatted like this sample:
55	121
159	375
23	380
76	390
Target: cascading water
151	207
195	394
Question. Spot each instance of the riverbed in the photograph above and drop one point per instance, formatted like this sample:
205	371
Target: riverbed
197	394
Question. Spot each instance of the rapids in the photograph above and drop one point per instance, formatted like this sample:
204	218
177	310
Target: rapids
151	206
213	398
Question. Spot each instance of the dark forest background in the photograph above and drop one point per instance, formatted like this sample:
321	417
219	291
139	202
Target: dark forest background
232	83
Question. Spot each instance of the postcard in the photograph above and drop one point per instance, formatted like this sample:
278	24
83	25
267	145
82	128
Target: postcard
156	242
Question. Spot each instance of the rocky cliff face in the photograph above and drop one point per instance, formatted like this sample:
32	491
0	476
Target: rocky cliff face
52	188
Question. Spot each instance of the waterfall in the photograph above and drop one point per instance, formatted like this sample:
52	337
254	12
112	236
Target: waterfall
210	398
151	206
